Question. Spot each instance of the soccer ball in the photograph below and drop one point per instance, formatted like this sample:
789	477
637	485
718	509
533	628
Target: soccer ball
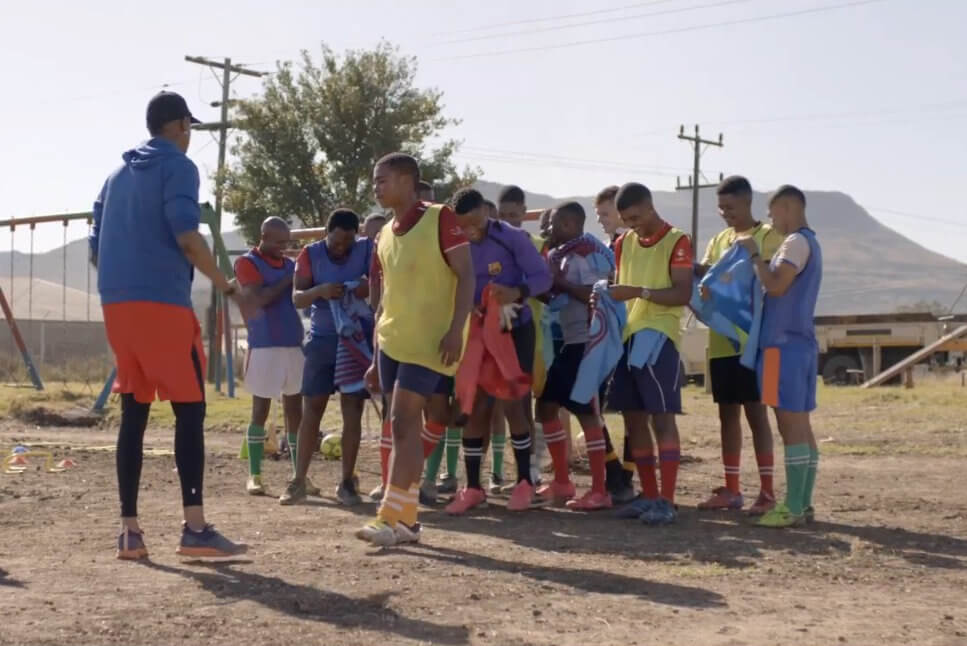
331	447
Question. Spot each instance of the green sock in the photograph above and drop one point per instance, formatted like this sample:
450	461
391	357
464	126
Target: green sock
433	463
293	440
797	473
256	445
811	478
453	450
497	462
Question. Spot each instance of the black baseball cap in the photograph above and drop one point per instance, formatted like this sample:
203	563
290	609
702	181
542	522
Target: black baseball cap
164	107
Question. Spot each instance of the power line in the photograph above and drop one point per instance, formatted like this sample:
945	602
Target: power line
664	32
558	17
959	104
545	156
91	97
528	32
575	164
916	216
856	113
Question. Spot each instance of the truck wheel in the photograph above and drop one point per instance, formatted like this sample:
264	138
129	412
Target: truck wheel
835	369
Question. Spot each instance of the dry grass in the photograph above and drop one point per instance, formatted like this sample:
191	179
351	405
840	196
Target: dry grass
223	413
928	420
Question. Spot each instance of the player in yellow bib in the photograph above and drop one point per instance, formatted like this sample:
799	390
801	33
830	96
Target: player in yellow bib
654	278
426	280
735	387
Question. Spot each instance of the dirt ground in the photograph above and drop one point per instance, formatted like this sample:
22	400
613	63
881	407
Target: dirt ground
885	563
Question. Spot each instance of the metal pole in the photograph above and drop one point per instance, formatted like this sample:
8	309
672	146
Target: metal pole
105	391
30	276
695	172
19	342
88	266
63	266
11	265
229	357
216	225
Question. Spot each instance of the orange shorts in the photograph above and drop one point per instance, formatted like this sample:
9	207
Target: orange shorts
158	350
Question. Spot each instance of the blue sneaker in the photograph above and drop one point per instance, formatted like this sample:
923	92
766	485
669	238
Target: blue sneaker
661	512
208	544
131	545
636	508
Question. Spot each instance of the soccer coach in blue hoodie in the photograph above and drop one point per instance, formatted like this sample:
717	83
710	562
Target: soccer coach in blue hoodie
145	244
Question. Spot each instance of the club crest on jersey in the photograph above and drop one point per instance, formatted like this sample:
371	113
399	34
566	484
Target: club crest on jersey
494	268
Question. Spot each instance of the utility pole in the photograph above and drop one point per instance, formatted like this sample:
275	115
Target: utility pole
693	182
222	126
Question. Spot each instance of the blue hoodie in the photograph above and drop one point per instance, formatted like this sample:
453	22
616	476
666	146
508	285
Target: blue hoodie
142	208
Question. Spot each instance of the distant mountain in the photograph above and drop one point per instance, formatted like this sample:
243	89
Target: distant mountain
868	267
54	267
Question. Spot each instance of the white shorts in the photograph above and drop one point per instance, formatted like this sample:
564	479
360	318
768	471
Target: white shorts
271	372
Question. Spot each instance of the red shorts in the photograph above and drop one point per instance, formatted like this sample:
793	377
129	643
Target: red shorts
158	350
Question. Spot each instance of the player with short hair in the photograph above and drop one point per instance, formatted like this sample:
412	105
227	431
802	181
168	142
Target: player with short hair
506	261
576	265
607	213
273	368
145	245
654	278
788	351
621	473
372	225
330	273
420	333
734	387
426	191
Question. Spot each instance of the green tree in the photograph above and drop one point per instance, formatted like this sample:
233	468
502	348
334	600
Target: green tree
309	142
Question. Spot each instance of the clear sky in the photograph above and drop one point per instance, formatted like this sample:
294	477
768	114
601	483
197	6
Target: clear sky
869	99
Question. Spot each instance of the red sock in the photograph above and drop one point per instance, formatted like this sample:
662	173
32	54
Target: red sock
556	439
766	469
731	463
594	440
385	448
432	433
669	455
645	462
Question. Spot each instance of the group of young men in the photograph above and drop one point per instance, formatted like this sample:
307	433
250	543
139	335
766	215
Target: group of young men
458	320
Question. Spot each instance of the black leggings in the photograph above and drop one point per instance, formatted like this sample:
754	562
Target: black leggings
189	448
189	451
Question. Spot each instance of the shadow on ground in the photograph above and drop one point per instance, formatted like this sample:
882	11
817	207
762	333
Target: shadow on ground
5	580
593	581
224	581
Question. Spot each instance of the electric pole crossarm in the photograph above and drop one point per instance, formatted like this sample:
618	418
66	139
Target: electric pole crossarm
201	60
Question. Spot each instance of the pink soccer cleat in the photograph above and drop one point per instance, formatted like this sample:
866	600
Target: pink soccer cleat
465	500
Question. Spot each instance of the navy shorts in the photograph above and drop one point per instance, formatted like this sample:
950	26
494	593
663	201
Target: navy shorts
652	389
409	376
561	377
319	373
732	383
